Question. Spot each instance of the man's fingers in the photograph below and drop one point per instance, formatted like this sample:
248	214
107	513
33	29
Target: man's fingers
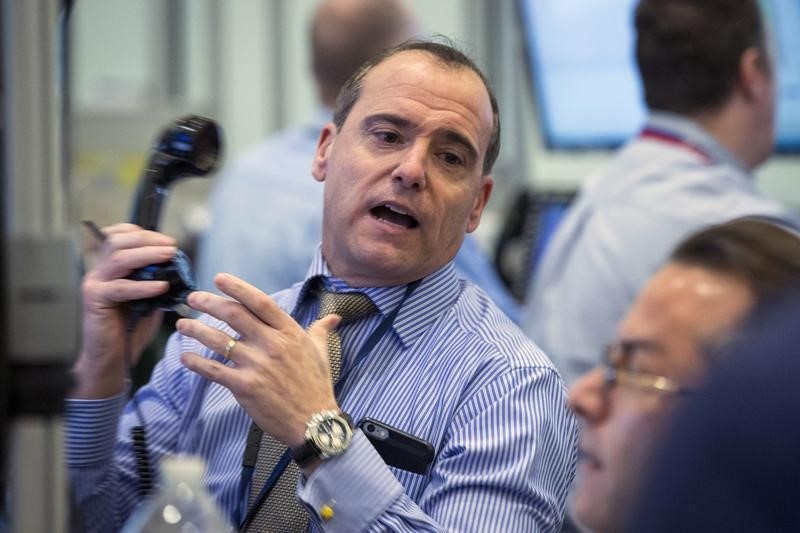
121	263
318	331
236	315
130	236
124	290
213	338
126	247
262	306
209	369
324	325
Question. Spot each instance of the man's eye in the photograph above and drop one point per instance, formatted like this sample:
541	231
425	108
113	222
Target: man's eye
388	136
450	158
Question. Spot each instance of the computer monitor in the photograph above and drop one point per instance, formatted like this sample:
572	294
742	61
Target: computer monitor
581	61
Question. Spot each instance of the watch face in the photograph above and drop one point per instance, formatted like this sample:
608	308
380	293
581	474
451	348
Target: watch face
331	434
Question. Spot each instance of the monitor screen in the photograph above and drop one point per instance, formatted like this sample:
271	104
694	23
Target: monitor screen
581	59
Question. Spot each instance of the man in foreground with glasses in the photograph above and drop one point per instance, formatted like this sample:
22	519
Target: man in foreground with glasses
663	349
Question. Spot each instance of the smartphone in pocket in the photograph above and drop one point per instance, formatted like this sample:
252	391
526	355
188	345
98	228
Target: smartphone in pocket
398	448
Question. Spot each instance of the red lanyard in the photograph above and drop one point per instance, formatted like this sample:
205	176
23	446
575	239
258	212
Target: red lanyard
674	139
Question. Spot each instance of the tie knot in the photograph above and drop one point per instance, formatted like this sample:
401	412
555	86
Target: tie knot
350	305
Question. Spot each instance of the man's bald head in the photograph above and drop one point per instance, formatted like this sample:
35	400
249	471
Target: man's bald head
346	33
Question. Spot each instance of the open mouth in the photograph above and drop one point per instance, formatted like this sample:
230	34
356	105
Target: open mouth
394	216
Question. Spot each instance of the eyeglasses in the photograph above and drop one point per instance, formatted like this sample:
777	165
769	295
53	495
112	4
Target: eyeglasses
616	359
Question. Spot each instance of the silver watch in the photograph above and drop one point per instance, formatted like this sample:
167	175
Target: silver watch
328	434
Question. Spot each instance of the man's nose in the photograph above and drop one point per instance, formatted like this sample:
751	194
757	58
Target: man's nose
411	171
588	397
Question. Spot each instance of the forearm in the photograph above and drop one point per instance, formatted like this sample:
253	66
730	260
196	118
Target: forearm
104	469
90	437
98	378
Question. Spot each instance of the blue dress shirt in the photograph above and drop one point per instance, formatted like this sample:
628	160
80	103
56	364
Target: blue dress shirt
622	227
266	220
452	370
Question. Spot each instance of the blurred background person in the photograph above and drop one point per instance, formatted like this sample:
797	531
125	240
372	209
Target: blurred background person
730	462
265	208
665	345
709	84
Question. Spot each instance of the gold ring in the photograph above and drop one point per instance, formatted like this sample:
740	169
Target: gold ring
226	353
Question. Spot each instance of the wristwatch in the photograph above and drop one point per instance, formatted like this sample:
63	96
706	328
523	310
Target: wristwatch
328	434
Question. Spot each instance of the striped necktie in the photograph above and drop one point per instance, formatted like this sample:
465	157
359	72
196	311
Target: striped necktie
281	511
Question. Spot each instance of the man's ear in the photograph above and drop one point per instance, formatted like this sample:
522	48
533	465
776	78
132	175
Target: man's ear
481	199
319	166
754	74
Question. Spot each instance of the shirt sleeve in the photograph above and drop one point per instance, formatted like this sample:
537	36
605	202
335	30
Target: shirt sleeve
506	465
90	436
101	463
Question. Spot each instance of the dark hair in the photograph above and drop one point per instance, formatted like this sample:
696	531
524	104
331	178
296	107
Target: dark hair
760	253
450	56
689	51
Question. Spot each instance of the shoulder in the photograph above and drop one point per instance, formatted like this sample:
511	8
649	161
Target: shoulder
492	338
654	190
477	361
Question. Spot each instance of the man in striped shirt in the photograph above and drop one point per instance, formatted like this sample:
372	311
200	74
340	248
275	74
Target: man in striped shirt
406	165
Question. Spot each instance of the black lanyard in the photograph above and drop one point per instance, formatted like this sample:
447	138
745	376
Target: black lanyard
255	434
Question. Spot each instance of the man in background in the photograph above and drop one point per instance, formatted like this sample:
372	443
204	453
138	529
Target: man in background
266	210
709	83
669	340
730	461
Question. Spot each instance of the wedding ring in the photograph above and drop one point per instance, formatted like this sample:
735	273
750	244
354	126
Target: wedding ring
228	348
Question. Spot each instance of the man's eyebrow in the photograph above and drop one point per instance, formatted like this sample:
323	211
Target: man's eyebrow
454	136
395	120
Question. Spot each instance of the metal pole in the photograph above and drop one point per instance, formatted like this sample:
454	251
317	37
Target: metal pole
40	264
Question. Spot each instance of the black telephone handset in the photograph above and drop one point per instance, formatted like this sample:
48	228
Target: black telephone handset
190	146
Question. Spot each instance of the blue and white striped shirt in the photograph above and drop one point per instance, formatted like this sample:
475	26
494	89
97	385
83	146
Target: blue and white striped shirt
452	370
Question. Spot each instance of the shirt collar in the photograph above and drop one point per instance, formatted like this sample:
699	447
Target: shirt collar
436	293
692	133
